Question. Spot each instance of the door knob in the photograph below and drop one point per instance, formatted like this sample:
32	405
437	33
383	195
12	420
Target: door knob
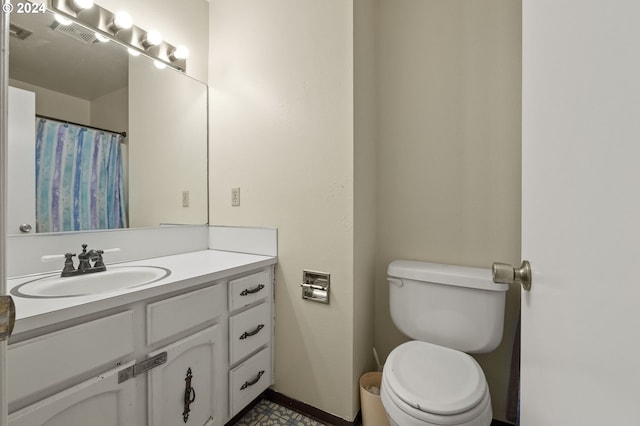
507	274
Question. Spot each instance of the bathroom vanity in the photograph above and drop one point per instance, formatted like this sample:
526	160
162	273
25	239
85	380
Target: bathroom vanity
193	347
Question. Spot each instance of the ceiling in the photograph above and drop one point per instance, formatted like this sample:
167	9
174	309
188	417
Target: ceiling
67	59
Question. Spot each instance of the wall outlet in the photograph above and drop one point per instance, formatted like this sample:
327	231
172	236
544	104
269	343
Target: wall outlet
185	198
235	197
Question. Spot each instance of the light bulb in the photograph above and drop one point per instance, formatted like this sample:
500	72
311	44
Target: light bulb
62	20
153	38
122	20
133	52
83	4
181	52
101	38
159	65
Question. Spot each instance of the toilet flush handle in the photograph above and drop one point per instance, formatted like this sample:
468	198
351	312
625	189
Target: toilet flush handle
507	274
395	281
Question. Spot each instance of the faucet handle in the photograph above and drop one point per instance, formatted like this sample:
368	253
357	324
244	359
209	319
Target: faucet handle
99	263
68	263
52	257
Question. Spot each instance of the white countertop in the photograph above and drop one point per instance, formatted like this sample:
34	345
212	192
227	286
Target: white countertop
187	270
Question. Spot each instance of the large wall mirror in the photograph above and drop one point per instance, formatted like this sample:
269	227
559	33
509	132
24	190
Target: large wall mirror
71	100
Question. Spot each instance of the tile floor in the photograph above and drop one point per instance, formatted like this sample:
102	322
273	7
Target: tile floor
270	413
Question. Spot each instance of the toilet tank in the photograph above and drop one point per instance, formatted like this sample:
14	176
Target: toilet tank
453	306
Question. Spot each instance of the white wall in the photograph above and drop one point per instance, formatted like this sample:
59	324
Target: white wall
58	105
449	148
282	129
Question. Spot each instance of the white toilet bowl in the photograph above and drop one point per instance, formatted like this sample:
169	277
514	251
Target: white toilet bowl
426	384
449	311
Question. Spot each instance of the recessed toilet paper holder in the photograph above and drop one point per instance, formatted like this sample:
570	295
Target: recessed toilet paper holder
315	286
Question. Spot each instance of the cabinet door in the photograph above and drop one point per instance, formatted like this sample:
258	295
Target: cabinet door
190	373
100	400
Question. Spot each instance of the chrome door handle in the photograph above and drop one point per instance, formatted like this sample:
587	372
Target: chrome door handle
507	274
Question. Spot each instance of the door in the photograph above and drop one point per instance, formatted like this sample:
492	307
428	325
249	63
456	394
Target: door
21	190
98	401
4	78
581	212
185	390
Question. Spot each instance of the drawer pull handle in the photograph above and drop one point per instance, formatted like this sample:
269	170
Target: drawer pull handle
246	292
252	333
253	382
189	396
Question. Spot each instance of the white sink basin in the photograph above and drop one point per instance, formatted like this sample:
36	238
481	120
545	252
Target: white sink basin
114	278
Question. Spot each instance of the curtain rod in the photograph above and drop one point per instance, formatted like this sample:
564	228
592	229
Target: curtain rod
123	134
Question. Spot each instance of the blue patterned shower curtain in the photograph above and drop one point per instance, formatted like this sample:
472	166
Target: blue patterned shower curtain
79	182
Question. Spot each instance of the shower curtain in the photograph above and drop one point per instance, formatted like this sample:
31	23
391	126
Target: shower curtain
79	183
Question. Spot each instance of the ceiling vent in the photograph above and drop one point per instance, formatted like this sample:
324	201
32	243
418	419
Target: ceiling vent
76	32
19	32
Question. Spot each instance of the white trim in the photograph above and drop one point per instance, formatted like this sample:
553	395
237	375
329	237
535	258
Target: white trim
4	119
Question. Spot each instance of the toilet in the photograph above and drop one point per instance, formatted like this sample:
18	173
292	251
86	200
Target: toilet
449	311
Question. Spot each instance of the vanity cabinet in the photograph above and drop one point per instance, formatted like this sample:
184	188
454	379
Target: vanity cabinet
193	357
250	338
183	390
100	400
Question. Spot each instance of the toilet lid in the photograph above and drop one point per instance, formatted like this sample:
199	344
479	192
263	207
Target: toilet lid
435	379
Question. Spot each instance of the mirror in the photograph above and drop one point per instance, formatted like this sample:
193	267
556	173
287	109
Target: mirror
69	79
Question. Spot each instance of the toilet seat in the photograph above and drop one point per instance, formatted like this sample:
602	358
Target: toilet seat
434	385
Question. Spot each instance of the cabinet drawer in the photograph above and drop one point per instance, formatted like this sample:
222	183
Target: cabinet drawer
248	331
169	317
42	362
250	289
248	380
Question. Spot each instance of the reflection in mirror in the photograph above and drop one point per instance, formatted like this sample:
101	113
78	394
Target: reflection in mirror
86	93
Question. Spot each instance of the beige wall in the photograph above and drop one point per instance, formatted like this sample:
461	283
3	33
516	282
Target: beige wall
449	148
364	190
296	87
167	146
282	129
180	22
111	111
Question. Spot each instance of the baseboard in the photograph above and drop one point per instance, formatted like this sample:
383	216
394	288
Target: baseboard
311	411
308	410
500	423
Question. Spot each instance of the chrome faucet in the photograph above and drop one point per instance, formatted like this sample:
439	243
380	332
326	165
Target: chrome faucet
84	262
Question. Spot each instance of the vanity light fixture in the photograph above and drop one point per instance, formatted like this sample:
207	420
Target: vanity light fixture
180	52
159	65
121	21
62	20
79	5
101	38
152	38
119	27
